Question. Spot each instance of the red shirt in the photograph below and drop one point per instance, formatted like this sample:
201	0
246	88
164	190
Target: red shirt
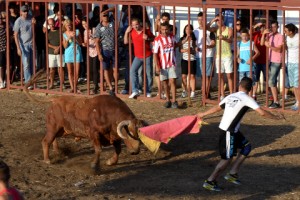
138	43
12	193
261	59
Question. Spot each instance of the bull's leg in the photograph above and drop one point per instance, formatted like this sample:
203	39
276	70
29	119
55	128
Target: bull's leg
55	146
114	159
97	148
46	142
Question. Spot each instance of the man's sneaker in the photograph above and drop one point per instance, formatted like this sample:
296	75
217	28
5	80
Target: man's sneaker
140	91
168	104
30	88
183	94
274	105
2	86
211	185
295	107
232	178
149	95
124	92
192	95
133	95
174	104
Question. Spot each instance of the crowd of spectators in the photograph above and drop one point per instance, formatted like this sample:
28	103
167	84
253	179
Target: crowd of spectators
72	39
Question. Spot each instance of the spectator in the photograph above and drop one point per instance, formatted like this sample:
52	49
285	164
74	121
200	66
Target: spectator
14	58
188	50
23	38
69	38
95	20
165	63
6	191
57	16
238	29
93	56
224	34
40	37
260	61
138	36
292	59
54	54
244	58
105	45
274	41
2	52
210	45
165	18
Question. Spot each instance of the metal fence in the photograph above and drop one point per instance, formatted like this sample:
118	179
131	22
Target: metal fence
124	54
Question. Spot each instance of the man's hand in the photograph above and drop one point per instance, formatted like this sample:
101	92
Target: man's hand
19	52
129	29
157	70
33	21
266	31
100	57
239	60
145	37
267	44
248	62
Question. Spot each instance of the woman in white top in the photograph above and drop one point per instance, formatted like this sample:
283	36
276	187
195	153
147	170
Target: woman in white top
188	50
292	59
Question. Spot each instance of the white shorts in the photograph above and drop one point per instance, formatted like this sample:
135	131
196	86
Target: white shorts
168	73
54	60
226	65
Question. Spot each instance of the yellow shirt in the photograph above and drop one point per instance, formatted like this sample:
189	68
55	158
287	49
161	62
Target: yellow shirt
225	46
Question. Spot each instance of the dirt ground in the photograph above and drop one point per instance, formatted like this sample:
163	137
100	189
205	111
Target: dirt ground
177	172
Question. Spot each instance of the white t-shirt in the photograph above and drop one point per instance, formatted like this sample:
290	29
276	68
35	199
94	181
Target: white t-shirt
236	105
199	35
185	55
292	53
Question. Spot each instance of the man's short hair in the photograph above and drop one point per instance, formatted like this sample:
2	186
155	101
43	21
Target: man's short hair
274	22
245	30
200	14
165	24
165	14
246	83
4	172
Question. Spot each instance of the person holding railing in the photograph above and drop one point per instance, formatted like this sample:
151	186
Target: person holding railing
138	37
273	40
71	41
292	59
224	34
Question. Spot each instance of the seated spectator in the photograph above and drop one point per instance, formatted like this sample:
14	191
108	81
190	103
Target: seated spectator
93	56
187	48
71	41
138	36
55	58
6	191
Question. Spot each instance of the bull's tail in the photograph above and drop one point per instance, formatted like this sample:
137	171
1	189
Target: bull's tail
38	76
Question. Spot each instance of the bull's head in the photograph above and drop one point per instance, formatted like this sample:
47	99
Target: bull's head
128	130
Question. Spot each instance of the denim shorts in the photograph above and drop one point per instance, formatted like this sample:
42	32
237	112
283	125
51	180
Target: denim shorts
274	69
108	59
209	63
293	74
168	73
247	74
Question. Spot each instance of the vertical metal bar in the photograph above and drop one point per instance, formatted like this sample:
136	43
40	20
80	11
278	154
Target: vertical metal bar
174	21
189	56
144	52
88	67
159	87
101	62
267	61
298	89
8	46
130	49
283	63
47	48
62	71
251	49
74	44
203	59
116	70
21	60
220	57
33	45
235	65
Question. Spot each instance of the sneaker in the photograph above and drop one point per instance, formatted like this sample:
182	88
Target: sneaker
192	95
211	185
295	107
149	95
232	178
2	86
174	104
30	88
124	92
168	104
133	95
274	105
140	91
286	98
183	94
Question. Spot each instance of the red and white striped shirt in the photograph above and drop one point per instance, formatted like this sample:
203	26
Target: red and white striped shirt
165	47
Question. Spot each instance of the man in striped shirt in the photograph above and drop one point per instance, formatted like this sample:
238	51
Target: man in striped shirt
165	60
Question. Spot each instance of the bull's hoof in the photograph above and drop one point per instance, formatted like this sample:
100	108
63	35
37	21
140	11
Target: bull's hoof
94	166
47	162
111	161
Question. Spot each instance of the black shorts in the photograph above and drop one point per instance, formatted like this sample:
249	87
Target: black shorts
185	67
2	58
229	143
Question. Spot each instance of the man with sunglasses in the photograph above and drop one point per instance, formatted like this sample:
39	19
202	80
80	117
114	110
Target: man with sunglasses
24	41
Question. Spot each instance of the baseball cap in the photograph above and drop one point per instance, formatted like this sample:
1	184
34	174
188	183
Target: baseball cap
24	8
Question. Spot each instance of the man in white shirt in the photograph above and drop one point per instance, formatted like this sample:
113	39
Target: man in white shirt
231	139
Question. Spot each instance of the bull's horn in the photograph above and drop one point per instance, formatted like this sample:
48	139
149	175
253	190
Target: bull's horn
120	126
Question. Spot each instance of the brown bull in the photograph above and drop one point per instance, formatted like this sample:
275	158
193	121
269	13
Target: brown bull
106	120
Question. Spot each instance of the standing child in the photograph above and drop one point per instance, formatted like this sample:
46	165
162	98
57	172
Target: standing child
244	57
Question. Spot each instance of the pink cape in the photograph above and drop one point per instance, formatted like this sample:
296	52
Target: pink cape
167	130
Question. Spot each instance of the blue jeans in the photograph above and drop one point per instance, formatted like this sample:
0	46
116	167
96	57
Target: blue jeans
135	67
27	60
273	73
